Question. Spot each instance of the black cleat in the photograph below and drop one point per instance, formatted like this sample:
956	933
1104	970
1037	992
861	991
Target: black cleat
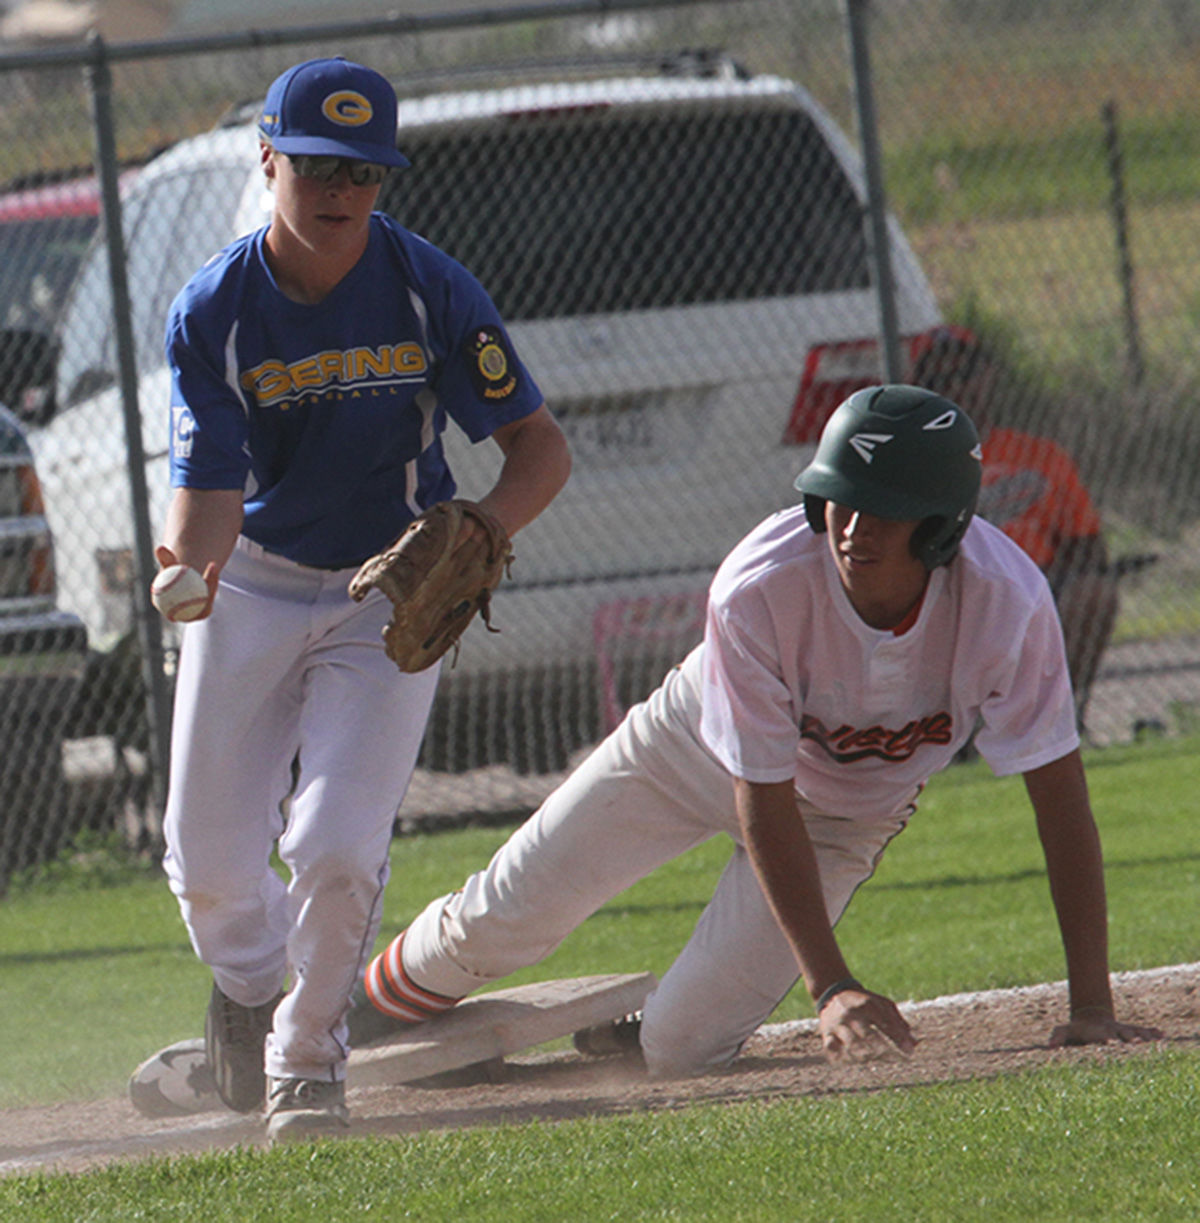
609	1039
235	1037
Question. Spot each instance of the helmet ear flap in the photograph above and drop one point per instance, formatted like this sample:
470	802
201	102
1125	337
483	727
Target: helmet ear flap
814	511
935	541
924	541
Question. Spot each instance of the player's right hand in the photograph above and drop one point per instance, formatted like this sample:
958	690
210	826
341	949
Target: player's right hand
211	574
858	1026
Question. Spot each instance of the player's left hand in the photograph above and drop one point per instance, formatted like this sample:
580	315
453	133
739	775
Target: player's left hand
438	574
858	1026
1094	1026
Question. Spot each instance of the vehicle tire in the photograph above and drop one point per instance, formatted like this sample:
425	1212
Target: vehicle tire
35	820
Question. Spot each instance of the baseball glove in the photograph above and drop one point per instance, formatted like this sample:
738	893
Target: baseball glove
438	574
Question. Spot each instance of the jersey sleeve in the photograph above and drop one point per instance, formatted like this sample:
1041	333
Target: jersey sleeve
209	446
747	719
1029	718
482	382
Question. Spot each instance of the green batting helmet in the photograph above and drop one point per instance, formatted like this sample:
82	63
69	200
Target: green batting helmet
899	452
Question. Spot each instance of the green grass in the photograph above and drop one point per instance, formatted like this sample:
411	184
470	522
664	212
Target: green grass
1067	313
959	903
1099	1141
981	173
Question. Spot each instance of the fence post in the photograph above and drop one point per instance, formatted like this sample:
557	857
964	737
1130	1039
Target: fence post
149	627
1112	147
879	251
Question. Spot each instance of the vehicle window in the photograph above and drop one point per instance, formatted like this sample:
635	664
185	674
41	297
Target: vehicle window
190	219
38	261
196	219
172	228
39	258
88	361
598	214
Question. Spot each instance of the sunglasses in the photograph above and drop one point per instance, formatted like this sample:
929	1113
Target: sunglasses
324	169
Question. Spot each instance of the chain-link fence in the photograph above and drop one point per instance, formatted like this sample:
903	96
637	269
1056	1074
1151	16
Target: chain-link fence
668	204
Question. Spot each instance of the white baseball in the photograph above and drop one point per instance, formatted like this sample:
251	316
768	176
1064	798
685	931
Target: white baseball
179	593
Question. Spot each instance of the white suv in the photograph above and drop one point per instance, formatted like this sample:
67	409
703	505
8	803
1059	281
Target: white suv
43	654
680	256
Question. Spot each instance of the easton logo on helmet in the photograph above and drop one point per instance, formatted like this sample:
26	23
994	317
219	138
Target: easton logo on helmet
864	444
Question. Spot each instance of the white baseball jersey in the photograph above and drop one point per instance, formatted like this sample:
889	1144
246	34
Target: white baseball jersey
788	683
795	684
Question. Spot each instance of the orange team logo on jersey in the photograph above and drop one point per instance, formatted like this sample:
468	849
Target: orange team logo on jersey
848	744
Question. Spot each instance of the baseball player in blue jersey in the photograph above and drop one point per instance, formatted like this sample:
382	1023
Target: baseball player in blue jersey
315	365
851	646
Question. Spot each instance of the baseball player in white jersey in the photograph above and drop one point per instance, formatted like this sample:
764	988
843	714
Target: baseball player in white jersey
850	647
315	364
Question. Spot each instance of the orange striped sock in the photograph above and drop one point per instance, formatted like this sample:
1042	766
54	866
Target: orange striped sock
392	991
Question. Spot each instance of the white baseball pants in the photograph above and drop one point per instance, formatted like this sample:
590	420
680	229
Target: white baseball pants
647	794
289	668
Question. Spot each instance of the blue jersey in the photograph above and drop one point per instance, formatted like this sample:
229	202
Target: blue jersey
329	417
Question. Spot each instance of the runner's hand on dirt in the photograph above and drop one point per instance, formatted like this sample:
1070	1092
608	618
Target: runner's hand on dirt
1097	1026
859	1026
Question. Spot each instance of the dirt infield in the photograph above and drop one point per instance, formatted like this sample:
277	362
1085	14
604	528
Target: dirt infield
966	1036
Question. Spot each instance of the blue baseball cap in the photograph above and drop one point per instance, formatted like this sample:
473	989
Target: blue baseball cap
335	108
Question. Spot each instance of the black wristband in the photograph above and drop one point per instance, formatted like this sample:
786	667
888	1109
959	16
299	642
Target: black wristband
834	989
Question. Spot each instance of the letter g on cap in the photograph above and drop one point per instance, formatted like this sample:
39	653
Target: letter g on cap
347	108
